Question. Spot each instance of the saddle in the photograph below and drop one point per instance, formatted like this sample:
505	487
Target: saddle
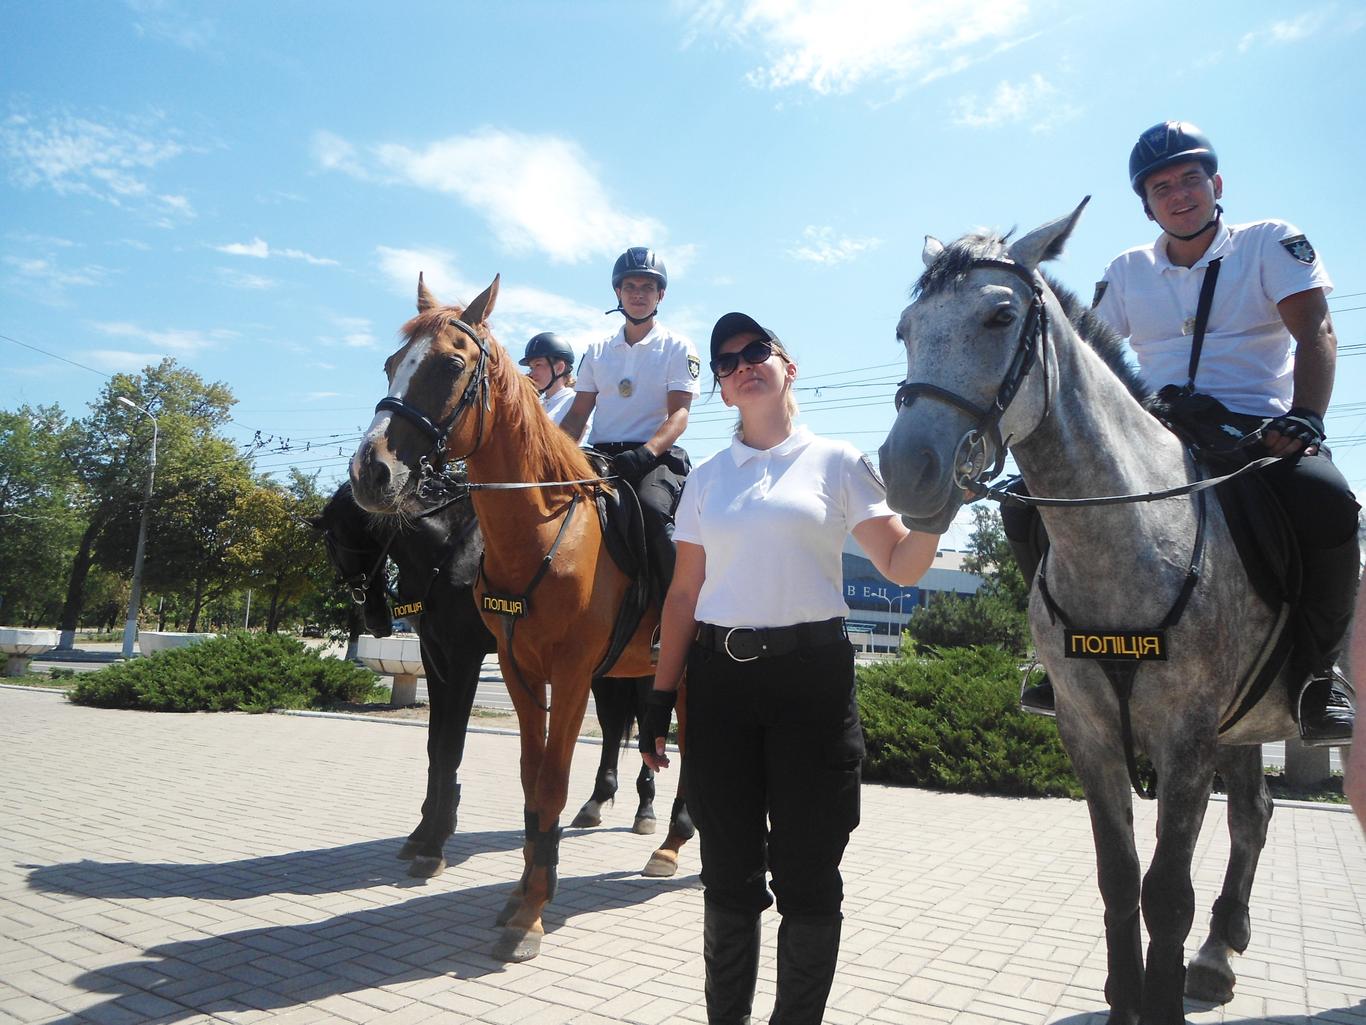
623	532
1259	525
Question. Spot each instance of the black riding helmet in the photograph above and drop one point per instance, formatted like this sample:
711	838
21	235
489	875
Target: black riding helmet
1168	143
639	260
548	346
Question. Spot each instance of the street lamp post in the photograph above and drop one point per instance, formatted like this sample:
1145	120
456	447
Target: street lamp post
130	626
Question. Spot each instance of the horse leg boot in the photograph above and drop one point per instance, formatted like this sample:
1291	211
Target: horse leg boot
645	823
532	827
1323	705
730	951
808	947
521	939
1028	541
663	863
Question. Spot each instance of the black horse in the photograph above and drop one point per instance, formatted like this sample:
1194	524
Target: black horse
438	556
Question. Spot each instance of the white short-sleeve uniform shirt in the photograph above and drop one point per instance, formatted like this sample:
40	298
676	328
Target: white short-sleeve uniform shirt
557	405
1248	359
633	381
772	523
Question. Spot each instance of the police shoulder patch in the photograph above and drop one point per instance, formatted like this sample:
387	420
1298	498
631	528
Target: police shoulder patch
1298	246
694	367
872	471
1101	286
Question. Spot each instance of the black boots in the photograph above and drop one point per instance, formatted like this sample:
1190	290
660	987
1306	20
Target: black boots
808	948
1323	706
730	949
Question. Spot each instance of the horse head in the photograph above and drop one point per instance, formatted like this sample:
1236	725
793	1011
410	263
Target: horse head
436	405
358	556
978	366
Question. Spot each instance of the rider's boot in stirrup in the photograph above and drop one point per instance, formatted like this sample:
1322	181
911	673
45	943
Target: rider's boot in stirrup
1323	706
730	952
808	947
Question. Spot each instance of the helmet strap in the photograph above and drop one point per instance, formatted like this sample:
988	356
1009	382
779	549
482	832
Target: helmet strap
634	320
1218	211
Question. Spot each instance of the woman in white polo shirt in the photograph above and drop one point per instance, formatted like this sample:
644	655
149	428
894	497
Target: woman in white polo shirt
756	612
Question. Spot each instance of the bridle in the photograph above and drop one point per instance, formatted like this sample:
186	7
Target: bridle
437	433
359	582
970	454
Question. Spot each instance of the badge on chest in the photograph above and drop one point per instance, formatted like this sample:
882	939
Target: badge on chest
1116	645
514	606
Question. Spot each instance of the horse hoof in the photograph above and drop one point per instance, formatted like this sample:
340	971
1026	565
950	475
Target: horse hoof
1209	983
661	865
644	825
427	867
589	815
517	945
409	850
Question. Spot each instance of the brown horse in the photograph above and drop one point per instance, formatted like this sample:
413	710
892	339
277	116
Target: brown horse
549	590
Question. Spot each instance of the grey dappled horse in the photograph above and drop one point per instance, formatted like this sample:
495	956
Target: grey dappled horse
1076	429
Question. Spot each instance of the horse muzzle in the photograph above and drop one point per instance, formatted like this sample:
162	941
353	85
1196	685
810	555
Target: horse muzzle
920	477
378	481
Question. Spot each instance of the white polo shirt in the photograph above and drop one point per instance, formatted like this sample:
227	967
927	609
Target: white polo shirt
1248	359
772	523
557	405
633	381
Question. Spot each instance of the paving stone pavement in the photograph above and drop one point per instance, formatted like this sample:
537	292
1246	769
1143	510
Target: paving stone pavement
235	868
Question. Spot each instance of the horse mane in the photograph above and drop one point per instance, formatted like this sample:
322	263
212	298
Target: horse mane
959	257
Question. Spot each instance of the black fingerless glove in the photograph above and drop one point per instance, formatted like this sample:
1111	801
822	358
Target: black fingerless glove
659	708
633	464
1303	425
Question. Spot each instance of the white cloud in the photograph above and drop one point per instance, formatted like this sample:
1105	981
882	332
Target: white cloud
259	249
38	272
317	396
173	340
537	192
250	282
834	46
120	360
1034	101
354	333
1291	30
171	23
821	245
111	162
521	311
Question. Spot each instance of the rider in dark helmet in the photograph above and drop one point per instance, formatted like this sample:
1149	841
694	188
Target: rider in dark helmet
1269	352
550	365
639	385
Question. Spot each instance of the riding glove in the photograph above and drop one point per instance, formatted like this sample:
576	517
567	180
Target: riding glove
1302	425
659	707
633	464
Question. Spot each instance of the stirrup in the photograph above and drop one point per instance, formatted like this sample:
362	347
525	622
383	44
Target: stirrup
1038	699
1335	719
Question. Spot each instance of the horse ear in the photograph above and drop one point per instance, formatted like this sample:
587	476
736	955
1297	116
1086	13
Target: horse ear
478	311
1046	243
316	522
425	300
932	251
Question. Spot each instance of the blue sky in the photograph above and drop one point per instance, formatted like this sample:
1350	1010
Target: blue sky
252	187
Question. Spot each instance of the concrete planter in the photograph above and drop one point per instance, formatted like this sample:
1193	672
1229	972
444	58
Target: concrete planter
399	657
152	641
19	645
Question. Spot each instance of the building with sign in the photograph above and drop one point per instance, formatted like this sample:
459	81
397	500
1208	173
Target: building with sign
880	609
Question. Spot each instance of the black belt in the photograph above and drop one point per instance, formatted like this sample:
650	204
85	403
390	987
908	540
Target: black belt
746	643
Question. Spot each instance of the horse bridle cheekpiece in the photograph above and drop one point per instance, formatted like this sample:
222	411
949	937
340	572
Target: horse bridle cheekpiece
970	455
437	433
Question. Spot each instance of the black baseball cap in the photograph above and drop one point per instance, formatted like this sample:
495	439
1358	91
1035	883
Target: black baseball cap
733	324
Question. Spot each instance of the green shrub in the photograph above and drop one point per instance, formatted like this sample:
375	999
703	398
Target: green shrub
242	671
951	721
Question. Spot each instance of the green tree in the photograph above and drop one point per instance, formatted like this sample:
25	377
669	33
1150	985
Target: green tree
109	452
39	525
997	613
275	549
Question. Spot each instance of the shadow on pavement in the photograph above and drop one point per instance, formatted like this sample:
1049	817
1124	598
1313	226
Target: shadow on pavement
1332	1017
278	967
356	866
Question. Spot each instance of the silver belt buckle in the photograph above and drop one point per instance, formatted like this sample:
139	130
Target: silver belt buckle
726	644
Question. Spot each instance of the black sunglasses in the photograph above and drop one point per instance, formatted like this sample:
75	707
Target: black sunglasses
756	352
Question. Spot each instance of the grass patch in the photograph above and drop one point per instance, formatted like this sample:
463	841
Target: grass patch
238	672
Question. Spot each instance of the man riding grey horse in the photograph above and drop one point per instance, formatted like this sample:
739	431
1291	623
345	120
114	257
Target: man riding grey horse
1269	351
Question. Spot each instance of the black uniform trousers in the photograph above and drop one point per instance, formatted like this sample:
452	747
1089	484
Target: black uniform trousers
659	491
774	761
